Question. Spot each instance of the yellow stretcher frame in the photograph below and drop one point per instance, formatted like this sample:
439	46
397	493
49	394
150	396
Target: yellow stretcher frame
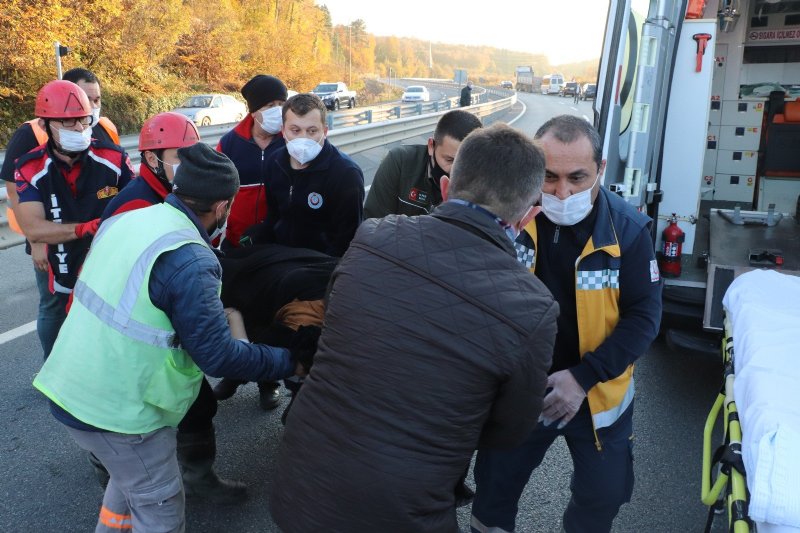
729	478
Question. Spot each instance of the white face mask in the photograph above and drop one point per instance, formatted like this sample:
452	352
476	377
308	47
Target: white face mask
95	115
304	149
571	210
75	141
272	120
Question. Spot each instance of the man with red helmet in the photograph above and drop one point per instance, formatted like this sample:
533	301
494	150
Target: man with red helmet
63	187
159	140
27	137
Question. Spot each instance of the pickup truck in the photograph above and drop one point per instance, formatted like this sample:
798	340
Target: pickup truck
335	95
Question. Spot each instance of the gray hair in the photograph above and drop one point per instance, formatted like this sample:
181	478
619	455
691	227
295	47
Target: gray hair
567	129
500	169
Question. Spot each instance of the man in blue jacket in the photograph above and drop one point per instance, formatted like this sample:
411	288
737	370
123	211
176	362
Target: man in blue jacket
146	323
315	193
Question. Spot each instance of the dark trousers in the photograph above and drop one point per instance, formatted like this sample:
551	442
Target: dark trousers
200	416
601	482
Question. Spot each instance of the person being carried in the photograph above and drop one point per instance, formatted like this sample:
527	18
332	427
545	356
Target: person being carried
146	323
407	180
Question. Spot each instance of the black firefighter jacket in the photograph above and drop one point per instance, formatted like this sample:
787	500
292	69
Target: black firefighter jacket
436	342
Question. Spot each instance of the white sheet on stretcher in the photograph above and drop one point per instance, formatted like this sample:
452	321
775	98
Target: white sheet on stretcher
764	309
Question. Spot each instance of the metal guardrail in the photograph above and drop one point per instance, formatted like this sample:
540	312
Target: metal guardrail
392	127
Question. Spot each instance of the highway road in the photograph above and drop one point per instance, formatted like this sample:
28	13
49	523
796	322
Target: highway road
47	484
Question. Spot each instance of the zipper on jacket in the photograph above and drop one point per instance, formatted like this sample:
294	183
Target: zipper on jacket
555	235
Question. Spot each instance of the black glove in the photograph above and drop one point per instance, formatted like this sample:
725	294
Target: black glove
303	345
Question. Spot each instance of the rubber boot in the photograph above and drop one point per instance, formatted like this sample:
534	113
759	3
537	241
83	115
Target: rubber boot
196	455
99	471
269	395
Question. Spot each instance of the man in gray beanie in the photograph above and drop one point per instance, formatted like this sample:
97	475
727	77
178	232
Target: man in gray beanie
145	324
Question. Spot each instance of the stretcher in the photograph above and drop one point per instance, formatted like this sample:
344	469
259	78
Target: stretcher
758	464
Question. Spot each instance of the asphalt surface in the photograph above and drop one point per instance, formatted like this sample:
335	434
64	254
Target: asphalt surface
47	484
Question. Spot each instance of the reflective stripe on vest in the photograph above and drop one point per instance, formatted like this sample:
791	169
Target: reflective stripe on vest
119	318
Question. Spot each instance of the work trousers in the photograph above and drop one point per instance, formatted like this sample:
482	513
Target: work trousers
601	481
52	312
145	491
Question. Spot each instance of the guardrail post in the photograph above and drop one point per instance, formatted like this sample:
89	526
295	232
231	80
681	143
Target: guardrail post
435	107
419	109
330	121
396	111
369	116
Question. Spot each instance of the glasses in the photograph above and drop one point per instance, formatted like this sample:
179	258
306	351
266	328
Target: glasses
70	122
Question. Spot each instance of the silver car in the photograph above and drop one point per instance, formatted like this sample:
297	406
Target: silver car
208	109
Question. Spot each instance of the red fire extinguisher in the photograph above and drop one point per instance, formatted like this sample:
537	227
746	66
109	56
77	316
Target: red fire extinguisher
673	236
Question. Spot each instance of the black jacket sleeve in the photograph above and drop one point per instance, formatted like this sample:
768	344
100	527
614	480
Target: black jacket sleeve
22	142
349	211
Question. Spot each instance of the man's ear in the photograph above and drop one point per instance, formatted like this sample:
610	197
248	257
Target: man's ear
444	186
530	215
430	146
151	159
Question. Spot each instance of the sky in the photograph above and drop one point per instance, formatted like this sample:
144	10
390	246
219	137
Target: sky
565	31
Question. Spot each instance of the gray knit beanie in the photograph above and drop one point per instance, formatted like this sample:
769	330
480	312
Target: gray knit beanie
205	174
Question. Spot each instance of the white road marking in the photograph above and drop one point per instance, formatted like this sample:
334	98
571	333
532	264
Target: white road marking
15	333
587	119
573	108
524	109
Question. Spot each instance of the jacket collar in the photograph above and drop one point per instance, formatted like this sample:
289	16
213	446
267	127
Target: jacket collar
175	202
484	224
161	187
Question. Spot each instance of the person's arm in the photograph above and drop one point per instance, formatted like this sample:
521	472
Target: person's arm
36	227
348	213
382	197
518	403
640	317
184	283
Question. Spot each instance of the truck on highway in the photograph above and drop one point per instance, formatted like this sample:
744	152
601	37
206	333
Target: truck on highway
335	95
701	124
526	79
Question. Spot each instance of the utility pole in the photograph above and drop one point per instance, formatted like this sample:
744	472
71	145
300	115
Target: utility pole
61	51
430	59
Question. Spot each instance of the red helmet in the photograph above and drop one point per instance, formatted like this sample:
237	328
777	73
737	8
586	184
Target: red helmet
62	99
167	130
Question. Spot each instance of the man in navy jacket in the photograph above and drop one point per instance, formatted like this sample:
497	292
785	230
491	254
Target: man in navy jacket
315	193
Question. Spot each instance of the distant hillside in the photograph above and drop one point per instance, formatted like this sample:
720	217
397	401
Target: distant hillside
410	58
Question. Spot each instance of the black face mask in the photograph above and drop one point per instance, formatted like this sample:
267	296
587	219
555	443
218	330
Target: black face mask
436	172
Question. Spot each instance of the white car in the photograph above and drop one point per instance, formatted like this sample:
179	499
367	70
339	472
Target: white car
208	109
416	93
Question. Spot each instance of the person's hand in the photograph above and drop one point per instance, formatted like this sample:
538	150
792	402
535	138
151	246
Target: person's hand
39	256
87	228
303	345
563	400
